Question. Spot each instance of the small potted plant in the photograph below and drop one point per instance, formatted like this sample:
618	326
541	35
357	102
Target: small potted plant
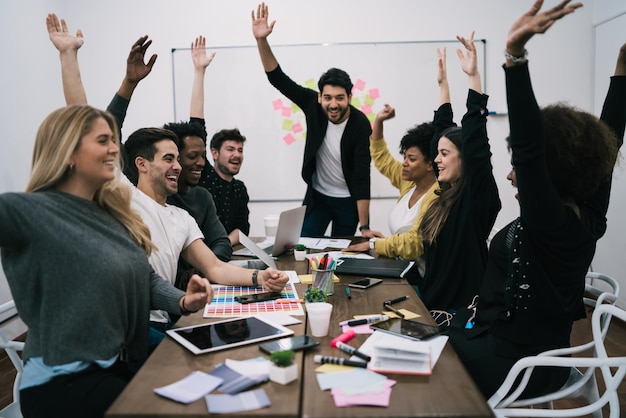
314	294
283	370
299	252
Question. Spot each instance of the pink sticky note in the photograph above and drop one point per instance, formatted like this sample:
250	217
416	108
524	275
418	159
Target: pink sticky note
278	104
359	85
373	398
297	127
289	139
359	329
374	93
367	109
286	112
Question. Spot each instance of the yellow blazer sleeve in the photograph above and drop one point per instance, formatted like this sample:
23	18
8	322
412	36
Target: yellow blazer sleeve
409	244
388	166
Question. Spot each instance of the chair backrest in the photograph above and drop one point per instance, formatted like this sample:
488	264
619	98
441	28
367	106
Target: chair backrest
12	348
613	370
607	285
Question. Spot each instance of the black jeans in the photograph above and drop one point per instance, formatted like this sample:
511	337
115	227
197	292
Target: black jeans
86	394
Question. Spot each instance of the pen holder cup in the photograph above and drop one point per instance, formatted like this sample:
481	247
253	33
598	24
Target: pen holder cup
323	280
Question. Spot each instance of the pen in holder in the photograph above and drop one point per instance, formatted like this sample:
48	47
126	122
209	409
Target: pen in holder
322	271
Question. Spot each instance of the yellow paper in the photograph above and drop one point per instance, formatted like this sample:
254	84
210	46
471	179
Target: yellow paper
407	314
333	368
308	278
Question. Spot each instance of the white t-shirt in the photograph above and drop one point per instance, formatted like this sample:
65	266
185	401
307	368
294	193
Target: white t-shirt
328	178
402	217
172	230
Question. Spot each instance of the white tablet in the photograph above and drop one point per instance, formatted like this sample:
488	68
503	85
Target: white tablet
232	332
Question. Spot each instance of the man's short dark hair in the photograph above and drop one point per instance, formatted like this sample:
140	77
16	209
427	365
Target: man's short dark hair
335	77
226	135
142	143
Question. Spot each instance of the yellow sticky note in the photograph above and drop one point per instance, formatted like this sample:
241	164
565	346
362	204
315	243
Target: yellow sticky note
333	368
407	314
308	278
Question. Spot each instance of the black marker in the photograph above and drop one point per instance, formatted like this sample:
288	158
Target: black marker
396	300
394	310
338	360
351	350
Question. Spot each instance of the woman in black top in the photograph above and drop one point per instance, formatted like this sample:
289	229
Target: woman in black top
562	161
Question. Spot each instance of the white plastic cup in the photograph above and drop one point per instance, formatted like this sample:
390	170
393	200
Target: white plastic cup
271	225
318	314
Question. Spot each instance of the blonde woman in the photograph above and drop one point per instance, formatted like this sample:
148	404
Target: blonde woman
75	257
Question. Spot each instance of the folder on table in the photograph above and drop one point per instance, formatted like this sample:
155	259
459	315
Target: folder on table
376	267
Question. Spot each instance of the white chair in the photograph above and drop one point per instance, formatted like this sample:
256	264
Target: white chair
504	402
12	348
599	289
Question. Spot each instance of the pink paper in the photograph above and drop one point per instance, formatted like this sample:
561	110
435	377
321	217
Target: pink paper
371	399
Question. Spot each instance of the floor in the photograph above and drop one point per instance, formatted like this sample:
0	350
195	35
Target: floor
615	343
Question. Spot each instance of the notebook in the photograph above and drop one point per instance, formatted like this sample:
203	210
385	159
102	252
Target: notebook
288	233
376	267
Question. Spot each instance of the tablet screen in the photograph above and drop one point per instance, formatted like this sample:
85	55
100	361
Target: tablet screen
225	334
407	328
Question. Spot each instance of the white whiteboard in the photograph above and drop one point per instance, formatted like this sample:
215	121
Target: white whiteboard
237	94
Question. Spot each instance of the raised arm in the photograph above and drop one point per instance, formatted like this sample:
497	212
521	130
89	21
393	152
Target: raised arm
387	112
442	77
469	63
68	46
136	68
261	30
200	63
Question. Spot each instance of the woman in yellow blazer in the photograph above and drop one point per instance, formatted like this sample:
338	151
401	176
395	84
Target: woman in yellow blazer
416	181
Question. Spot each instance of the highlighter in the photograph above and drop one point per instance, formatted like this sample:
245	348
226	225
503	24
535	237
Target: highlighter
346	336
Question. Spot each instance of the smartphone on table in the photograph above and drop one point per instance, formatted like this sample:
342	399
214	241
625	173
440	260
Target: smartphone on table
290	343
365	283
258	297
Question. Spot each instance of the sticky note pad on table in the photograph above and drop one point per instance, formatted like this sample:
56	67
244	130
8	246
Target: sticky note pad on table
308	278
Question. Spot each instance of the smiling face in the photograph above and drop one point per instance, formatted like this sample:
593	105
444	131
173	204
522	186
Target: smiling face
192	161
228	159
414	166
163	170
449	162
94	159
335	102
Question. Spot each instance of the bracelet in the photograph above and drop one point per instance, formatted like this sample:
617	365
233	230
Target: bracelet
362	227
255	278
183	310
517	60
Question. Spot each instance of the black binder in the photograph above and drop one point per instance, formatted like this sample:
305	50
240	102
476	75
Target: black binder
375	267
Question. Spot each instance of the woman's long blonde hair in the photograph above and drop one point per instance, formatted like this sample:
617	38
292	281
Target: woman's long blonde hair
59	135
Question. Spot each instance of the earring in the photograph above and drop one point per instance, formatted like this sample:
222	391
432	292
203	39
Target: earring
72	167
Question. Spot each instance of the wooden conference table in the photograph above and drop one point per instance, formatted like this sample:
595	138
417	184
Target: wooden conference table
448	392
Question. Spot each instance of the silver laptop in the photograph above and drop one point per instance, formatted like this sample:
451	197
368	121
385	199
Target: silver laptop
288	233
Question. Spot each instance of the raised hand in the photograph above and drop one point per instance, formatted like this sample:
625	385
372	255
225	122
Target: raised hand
620	67
533	22
260	28
198	53
136	68
387	112
469	63
442	72
60	36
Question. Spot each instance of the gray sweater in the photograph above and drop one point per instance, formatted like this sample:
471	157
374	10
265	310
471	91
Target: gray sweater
81	285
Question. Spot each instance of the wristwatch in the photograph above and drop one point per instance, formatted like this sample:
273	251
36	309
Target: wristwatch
372	241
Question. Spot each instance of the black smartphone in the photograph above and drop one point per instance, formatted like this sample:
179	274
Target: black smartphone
365	283
289	343
258	297
407	328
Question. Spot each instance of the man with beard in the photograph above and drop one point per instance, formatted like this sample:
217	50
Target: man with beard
230	195
336	163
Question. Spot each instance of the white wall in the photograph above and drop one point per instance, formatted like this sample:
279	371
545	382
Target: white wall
31	88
